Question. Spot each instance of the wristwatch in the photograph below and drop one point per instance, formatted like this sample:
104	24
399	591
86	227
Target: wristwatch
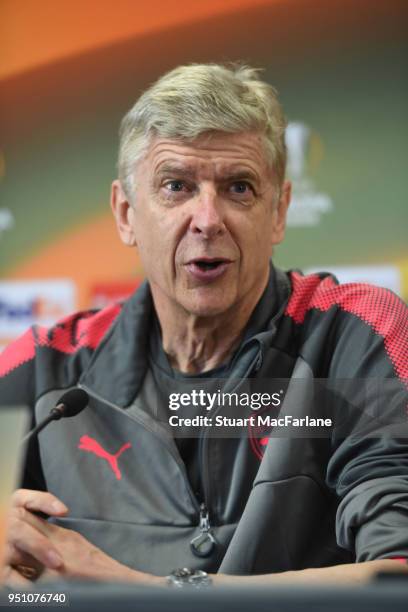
185	578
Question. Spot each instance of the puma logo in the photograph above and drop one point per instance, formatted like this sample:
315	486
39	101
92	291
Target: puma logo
90	445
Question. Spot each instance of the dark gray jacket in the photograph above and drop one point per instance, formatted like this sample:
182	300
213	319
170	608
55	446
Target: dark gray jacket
296	502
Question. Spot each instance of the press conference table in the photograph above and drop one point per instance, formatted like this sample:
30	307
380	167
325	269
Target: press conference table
389	594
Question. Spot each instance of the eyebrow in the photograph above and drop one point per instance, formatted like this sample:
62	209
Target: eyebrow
172	169
188	172
240	175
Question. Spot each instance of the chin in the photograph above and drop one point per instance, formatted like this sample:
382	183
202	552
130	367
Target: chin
206	307
205	313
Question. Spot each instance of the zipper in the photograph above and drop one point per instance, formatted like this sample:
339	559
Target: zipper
203	446
203	544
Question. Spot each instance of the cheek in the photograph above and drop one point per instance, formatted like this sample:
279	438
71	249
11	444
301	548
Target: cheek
266	231
147	229
157	243
254	236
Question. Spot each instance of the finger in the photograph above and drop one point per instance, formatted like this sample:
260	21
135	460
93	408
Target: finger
28	572
15	557
28	539
43	526
49	575
13	578
40	501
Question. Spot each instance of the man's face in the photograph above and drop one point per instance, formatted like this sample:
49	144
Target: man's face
205	217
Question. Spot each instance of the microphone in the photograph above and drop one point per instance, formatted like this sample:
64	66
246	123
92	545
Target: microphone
70	404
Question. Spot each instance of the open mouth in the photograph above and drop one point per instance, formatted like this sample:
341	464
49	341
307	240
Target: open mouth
208	265
206	269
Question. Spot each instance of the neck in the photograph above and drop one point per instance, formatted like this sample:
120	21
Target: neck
195	344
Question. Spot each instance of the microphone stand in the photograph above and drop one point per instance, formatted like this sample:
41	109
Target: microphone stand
55	414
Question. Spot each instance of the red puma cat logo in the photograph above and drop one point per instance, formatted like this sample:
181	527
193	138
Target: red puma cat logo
90	445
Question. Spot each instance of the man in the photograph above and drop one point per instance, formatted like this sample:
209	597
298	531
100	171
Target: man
202	195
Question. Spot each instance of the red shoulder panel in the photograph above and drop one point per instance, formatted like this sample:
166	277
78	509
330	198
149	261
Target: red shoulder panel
83	329
379	308
79	330
17	353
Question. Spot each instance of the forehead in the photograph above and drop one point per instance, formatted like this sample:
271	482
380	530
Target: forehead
213	153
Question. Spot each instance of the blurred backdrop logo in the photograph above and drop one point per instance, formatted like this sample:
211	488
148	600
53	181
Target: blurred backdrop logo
305	151
105	294
25	303
389	276
6	220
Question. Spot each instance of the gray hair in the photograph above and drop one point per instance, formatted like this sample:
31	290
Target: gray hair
191	100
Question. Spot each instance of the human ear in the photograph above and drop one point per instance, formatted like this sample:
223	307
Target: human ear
124	213
280	213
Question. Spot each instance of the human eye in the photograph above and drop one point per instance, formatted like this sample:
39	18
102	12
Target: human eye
174	190
242	190
241	187
175	186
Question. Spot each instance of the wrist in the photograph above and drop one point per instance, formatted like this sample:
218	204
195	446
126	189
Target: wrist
131	575
185	577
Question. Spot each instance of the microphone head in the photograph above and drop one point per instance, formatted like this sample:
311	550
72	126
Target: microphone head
72	402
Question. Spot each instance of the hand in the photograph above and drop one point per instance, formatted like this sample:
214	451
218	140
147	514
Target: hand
28	550
37	548
83	560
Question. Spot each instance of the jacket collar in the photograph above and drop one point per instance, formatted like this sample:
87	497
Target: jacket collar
118	366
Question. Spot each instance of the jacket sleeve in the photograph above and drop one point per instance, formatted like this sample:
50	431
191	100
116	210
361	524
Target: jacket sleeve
369	463
43	359
17	387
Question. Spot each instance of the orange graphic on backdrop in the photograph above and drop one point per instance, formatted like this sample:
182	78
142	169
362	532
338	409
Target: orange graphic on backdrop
37	33
87	254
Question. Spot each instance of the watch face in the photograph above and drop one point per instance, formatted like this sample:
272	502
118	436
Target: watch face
182	572
185	577
199	579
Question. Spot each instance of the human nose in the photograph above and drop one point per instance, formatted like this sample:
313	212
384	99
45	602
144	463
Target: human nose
207	217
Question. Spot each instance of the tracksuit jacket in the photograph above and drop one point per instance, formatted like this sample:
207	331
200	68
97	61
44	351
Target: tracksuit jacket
286	502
